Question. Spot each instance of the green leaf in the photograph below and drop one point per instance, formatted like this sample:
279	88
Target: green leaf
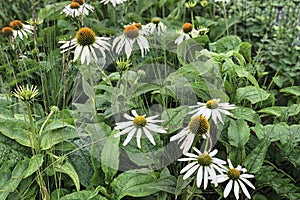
35	162
255	159
225	44
238	133
143	88
245	113
68	169
294	90
245	50
275	110
56	125
241	72
11	179
181	185
51	138
251	93
83	194
134	183
110	157
173	118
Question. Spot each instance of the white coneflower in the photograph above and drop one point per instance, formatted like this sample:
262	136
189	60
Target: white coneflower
77	8
19	29
26	93
205	163
130	36
198	125
156	26
212	108
113	2
187	31
138	125
7	31
85	44
237	179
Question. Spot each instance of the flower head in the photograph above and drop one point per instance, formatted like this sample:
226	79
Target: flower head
205	163
7	31
237	179
122	64
187	31
77	8
198	125
26	93
113	2
190	4
212	108
131	34
156	25
137	125
20	29
85	44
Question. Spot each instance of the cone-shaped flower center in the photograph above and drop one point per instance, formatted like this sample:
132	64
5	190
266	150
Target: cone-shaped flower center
27	93
131	32
212	104
74	5
7	30
204	160
138	25
155	20
187	27
199	125
85	36
140	121
16	24
233	174
81	2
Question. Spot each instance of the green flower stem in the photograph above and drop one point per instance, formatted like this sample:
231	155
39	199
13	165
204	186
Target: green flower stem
45	122
35	141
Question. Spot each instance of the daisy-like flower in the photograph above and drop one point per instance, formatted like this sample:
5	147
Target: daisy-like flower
224	1
113	2
237	179
131	34
85	44
156	25
206	165
187	31
137	125
26	93
198	125
212	108
77	8
7	31
20	29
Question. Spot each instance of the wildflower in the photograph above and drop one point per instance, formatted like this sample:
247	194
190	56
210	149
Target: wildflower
131	34
203	30
20	29
77	8
212	108
26	94
113	2
206	165
237	177
204	3
186	33
86	42
7	31
137	125
190	4
156	25
197	126
122	64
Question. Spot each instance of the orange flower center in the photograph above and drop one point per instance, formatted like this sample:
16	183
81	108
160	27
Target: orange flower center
199	125
79	1
74	5
187	27
7	31
16	24
85	36
131	31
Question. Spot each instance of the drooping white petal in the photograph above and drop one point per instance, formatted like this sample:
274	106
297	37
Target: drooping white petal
138	137
228	188
236	190
149	136
199	176
187	167
244	189
190	171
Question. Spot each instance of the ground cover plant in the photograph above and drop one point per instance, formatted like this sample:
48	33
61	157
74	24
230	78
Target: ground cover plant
131	99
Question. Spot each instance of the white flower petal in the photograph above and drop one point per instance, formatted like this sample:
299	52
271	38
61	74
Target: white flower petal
199	176
244	189
190	171
236	190
228	188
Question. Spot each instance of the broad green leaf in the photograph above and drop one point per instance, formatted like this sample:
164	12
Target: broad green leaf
68	169
16	130
83	195
245	113
11	179
51	138
251	93
238	133
56	125
144	88
226	44
255	159
110	157
275	110
245	50
181	185
259	197
173	118
35	162
133	183
294	90
241	72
